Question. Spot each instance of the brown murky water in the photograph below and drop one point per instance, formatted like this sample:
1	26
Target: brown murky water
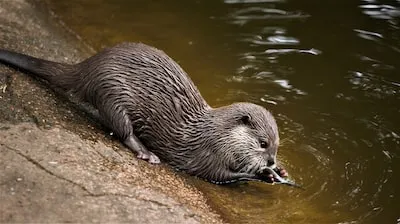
328	70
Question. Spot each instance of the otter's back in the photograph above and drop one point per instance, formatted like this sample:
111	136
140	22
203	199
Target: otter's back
157	94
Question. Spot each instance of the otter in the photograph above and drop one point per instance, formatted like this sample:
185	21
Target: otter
155	109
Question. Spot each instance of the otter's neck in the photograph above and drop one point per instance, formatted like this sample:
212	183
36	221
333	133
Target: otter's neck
202	154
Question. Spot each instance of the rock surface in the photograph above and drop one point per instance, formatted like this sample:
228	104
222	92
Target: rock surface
56	163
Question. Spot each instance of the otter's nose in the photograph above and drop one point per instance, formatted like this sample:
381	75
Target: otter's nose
270	163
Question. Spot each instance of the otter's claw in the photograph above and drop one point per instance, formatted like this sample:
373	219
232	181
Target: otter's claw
154	159
149	156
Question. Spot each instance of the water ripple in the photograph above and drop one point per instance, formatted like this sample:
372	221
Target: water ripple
243	16
272	40
372	85
311	51
251	1
368	35
380	11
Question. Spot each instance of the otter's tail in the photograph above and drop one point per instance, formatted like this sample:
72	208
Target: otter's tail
55	73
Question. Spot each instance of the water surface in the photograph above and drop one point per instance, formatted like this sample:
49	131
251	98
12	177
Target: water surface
328	70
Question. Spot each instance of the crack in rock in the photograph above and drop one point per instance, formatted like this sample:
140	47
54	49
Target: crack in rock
89	193
131	196
38	165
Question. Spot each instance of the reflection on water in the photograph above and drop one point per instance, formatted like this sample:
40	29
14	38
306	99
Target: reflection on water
329	71
249	14
377	10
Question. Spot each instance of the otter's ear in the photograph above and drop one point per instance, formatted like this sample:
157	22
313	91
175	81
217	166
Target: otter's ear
245	119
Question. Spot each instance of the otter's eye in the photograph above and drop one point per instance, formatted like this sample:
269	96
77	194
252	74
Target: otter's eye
263	144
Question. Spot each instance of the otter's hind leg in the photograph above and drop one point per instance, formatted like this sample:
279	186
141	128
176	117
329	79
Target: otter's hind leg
118	120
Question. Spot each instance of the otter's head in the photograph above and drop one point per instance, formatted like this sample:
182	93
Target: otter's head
247	143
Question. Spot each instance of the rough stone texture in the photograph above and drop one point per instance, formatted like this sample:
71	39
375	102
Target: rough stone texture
76	181
56	163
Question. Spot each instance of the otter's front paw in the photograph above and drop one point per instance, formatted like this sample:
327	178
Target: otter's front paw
270	175
280	171
149	156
